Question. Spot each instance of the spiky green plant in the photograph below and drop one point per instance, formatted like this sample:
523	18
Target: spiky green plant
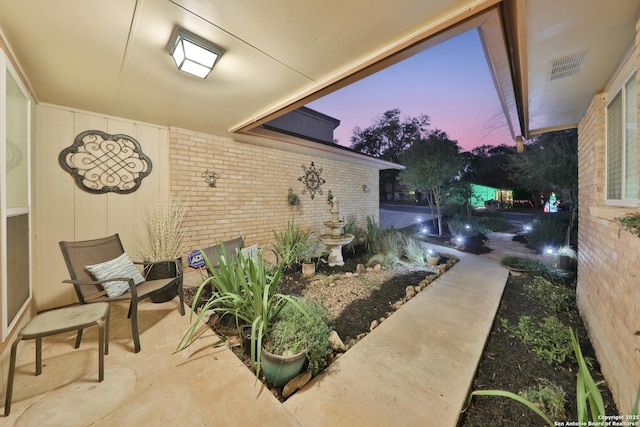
414	251
293	244
373	233
254	305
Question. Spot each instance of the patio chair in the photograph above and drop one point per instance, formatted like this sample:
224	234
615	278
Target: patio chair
112	284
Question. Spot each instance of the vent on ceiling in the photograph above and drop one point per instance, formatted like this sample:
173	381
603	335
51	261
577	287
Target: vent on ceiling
567	66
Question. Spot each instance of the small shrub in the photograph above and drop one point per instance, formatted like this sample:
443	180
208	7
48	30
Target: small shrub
550	339
466	226
537	268
494	221
547	230
548	396
307	329
558	297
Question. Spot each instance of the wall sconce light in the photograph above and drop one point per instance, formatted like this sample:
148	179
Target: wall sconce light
193	54
210	177
365	188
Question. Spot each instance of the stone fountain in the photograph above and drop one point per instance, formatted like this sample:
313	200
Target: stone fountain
336	239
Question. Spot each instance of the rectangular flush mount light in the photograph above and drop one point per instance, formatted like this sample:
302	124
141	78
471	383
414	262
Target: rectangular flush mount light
193	54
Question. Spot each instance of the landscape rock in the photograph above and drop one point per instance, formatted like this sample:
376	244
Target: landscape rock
410	292
396	305
377	268
335	343
360	268
296	383
374	324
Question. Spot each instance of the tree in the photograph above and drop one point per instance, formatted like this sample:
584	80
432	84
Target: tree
432	164
488	165
387	138
548	164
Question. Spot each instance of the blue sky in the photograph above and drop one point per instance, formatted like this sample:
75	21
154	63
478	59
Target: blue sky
450	83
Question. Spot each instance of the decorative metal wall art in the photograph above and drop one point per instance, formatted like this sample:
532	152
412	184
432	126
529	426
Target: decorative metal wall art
101	163
311	180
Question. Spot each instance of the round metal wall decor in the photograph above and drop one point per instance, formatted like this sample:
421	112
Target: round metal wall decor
311	180
101	163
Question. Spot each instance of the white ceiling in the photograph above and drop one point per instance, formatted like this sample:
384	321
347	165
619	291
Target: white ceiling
111	57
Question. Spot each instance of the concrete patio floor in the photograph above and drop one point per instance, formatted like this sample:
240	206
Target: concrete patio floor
416	368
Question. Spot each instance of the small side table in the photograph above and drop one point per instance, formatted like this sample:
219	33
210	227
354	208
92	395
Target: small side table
57	321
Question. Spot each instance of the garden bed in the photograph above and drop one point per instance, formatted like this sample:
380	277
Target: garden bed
509	364
356	300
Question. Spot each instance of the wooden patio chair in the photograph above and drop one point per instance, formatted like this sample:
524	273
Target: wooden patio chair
81	254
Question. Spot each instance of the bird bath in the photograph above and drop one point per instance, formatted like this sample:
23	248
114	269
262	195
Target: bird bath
336	239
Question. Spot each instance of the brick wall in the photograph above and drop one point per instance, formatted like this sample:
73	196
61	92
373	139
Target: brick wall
608	266
250	196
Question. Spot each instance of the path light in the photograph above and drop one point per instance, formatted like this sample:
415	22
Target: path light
527	227
458	240
549	251
425	230
467	226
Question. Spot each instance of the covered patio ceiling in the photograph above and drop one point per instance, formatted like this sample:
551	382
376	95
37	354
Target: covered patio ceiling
112	57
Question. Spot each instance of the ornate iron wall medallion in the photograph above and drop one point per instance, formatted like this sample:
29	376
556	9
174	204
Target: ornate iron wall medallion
100	162
311	180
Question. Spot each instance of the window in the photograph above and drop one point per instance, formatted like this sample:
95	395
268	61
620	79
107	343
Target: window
622	144
15	209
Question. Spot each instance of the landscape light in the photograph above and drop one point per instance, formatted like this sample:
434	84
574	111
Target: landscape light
549	251
425	230
467	226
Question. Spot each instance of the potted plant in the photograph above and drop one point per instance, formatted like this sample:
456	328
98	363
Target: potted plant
254	304
295	336
293	200
567	257
433	257
162	254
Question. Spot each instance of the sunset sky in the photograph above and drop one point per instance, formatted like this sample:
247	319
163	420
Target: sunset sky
450	83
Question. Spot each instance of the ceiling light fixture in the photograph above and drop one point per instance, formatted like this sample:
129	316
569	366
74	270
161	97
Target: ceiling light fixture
193	54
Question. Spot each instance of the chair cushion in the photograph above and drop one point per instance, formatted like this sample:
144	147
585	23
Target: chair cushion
119	267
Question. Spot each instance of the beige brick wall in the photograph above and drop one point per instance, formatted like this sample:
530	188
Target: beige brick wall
250	196
608	266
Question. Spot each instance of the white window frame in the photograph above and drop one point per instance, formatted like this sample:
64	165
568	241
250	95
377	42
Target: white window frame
5	212
617	87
